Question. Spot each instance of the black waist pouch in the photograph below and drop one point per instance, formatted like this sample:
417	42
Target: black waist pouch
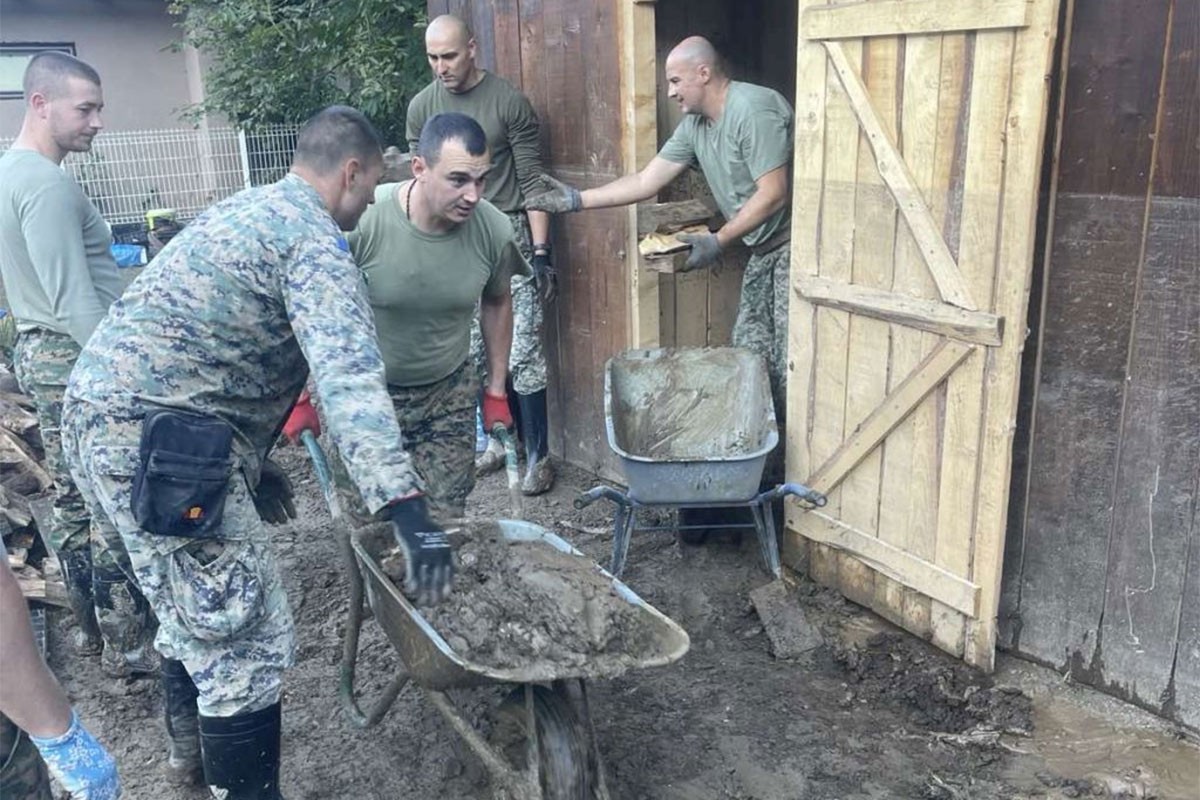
180	484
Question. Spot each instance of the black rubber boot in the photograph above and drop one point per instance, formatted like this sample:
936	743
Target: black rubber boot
183	725
539	474
126	622
77	575
241	754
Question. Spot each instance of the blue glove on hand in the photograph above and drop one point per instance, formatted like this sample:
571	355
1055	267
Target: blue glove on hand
80	763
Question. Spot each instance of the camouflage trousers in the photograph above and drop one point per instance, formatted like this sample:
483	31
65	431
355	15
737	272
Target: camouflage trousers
43	362
438	422
23	773
527	356
762	318
220	602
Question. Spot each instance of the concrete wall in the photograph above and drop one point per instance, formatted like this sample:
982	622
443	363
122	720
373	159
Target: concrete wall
127	41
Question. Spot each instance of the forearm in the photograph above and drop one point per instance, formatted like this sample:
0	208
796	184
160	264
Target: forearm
496	326
29	694
761	205
621	192
539	227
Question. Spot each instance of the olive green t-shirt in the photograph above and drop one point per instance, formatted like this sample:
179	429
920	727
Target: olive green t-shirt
511	125
424	287
752	137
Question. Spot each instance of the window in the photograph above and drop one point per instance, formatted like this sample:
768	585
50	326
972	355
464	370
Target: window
14	57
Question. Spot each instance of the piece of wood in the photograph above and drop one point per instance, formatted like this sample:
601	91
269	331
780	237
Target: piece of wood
1024	140
22	400
976	327
898	178
16	418
15	508
35	586
953	590
894	408
909	17
17	454
787	625
653	217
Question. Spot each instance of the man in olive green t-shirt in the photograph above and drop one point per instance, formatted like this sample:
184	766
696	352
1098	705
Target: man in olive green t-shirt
511	126
60	279
431	250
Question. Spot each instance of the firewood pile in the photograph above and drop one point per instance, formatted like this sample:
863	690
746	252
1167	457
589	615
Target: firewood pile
25	495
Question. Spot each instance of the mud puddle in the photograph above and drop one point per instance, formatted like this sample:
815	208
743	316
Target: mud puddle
520	603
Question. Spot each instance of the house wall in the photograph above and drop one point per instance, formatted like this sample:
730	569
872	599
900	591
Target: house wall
1102	563
127	41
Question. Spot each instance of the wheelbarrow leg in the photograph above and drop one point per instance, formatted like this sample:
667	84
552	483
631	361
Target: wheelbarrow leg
622	529
764	527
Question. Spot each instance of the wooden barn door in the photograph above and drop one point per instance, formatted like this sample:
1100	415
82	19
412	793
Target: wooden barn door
919	136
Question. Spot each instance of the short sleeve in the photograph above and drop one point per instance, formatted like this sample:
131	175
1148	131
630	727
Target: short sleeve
680	149
767	142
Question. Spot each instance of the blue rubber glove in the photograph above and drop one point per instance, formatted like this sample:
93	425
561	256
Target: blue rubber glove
80	763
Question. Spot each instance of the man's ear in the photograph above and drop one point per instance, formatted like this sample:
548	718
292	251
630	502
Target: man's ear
352	172
419	167
704	72
38	101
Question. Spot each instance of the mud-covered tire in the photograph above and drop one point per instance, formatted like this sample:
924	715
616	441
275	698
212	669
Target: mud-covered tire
562	745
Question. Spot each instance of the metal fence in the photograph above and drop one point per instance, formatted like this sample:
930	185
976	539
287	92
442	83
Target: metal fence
128	173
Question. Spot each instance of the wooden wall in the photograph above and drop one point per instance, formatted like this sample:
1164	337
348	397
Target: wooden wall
563	55
1102	565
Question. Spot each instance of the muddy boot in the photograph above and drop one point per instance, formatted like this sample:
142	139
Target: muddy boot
127	624
77	575
539	473
183	725
490	460
241	754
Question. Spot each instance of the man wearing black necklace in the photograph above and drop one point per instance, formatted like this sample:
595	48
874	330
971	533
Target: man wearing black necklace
431	249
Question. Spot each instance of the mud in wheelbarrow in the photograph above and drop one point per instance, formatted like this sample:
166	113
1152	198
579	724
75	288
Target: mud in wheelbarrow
545	748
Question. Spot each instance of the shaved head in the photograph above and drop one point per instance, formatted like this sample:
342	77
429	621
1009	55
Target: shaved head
448	28
695	52
48	72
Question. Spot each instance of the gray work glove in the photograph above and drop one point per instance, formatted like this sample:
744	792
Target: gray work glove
428	557
397	166
706	249
559	199
544	276
273	497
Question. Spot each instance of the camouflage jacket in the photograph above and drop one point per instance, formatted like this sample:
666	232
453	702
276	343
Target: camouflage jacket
229	317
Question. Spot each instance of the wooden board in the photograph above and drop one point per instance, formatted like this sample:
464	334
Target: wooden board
935	218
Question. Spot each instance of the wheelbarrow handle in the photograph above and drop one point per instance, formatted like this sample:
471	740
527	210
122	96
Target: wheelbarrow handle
510	468
360	718
812	496
585	499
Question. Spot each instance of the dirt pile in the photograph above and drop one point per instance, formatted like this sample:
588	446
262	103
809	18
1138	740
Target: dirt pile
515	603
939	694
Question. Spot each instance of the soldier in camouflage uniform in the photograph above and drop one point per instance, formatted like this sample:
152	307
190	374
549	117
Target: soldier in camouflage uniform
740	136
511	125
433	250
176	401
61	279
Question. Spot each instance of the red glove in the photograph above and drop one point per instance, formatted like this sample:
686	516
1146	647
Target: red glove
495	409
303	417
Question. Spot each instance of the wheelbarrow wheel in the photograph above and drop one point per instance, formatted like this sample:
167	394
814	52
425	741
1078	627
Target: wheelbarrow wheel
562	745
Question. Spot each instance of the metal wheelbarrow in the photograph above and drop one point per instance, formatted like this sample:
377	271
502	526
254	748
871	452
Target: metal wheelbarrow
548	705
692	428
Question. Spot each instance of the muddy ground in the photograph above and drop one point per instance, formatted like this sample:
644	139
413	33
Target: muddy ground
870	714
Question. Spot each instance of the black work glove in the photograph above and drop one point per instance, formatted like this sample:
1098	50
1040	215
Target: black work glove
706	249
544	275
558	199
273	497
428	557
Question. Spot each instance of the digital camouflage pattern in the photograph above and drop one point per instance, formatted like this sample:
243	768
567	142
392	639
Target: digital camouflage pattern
762	318
226	321
43	362
23	773
527	357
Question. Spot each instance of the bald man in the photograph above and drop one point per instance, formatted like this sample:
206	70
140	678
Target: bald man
61	278
511	126
740	137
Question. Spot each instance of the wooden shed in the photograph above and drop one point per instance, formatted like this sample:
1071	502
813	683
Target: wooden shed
944	236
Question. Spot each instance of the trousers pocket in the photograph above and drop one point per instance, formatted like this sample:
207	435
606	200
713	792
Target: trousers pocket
181	495
218	599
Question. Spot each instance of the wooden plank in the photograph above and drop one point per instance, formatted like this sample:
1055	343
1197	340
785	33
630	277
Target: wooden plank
724	296
895	407
691	307
14	452
506	16
975	327
911	17
897	564
870	339
1024	145
1157	467
898	178
808	163
639	143
652	217
1186	676
1177	170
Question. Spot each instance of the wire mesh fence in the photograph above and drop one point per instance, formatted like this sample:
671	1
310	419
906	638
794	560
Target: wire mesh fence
128	173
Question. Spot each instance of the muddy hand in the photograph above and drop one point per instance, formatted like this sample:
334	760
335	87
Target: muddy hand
428	556
560	199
